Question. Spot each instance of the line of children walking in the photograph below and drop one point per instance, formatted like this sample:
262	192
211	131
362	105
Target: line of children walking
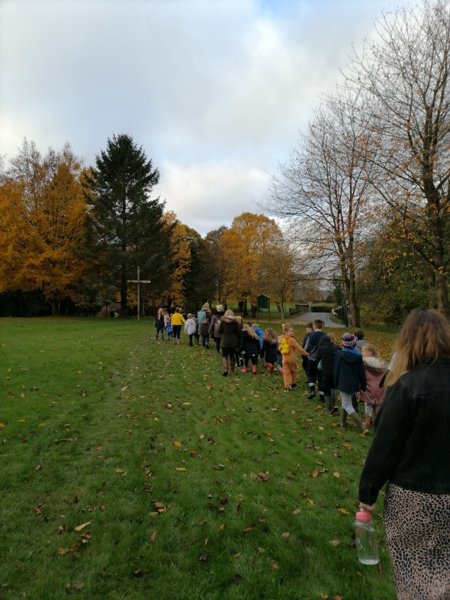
355	369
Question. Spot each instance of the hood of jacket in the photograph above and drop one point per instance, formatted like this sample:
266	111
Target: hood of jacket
227	319
374	364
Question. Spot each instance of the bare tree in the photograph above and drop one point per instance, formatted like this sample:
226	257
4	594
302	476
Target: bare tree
405	76
323	191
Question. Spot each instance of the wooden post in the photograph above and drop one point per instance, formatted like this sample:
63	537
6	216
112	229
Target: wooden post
138	281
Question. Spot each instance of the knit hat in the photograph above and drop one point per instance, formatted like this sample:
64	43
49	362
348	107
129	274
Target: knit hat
348	340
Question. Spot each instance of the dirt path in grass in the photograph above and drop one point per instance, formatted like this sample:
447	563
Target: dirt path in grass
311	316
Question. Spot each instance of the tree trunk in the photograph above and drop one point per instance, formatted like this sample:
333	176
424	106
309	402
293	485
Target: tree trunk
442	294
353	303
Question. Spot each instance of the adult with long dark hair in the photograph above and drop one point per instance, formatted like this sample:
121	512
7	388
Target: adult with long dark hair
410	452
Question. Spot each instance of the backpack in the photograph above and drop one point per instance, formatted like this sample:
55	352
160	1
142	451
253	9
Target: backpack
284	346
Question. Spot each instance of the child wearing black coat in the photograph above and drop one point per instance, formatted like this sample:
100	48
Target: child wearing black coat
269	349
250	347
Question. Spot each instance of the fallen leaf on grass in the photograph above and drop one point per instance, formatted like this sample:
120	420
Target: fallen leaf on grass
180	469
82	526
274	565
84	539
2	425
336	474
263	476
120	471
153	536
160	507
343	511
177	444
335	543
38	509
77	586
314	473
285	535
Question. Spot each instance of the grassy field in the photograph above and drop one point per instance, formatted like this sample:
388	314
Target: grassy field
131	468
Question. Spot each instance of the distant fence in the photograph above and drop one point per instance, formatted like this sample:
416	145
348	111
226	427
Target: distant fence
298	309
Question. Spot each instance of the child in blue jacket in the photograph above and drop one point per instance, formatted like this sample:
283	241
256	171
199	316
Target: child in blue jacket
349	378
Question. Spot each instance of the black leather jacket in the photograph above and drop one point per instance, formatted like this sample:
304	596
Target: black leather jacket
411	445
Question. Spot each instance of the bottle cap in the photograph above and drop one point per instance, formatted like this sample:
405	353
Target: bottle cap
364	516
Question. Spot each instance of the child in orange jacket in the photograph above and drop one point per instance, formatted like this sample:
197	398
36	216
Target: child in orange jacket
289	348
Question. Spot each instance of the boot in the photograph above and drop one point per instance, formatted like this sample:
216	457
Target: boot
355	418
343	418
328	405
312	392
254	369
368	422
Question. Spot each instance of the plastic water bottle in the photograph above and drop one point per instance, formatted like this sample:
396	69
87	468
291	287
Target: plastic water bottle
366	539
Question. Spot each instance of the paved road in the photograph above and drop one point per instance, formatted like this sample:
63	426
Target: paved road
310	316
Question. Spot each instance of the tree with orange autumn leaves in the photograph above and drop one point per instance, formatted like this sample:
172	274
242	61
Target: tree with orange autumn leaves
181	258
42	224
253	250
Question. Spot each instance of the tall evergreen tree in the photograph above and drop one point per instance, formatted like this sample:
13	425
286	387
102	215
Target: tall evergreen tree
125	226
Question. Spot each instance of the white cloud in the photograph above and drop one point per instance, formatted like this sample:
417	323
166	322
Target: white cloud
214	91
207	196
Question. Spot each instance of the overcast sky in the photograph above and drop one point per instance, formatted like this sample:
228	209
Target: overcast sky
215	91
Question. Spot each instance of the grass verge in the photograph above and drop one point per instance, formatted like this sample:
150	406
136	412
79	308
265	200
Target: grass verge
133	469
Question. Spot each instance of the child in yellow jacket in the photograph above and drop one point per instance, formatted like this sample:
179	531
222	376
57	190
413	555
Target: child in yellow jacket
177	321
289	347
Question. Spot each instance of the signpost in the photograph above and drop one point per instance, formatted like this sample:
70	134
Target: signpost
138	281
263	301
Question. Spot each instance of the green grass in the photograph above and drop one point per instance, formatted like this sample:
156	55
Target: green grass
194	485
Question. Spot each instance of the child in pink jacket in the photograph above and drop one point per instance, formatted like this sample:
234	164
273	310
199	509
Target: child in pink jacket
375	370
